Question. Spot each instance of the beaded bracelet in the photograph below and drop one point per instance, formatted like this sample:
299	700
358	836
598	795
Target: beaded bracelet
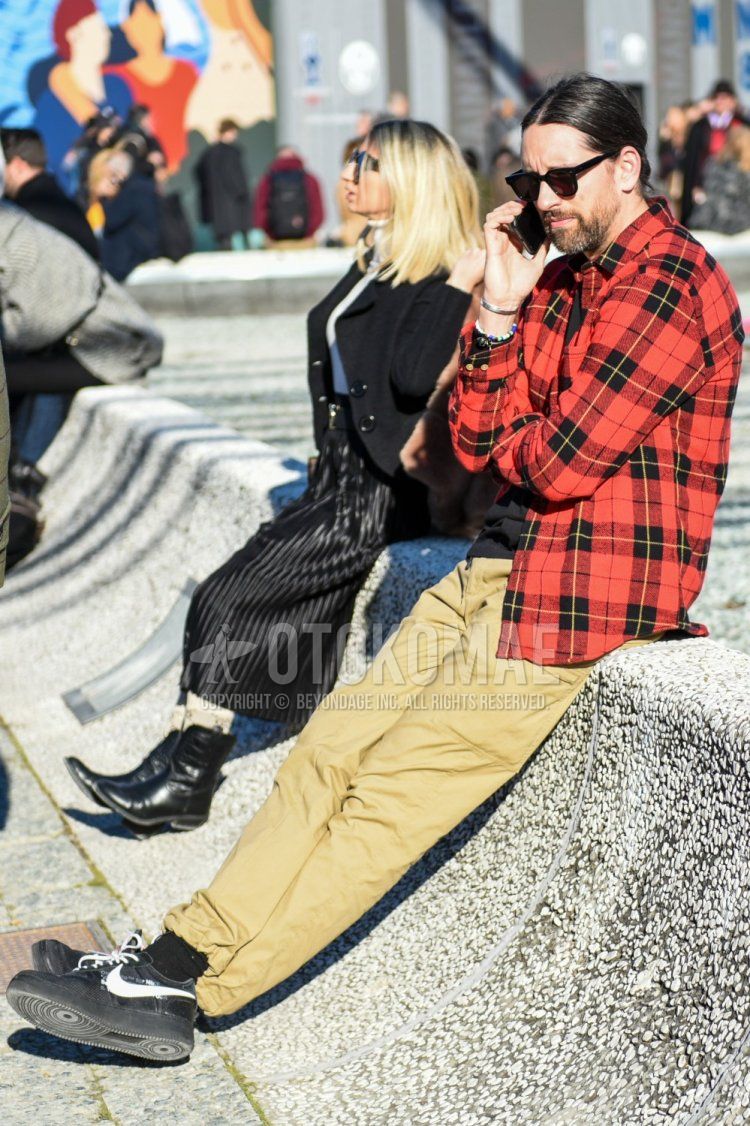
494	340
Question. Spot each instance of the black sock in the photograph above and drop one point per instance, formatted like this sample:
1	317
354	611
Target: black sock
175	958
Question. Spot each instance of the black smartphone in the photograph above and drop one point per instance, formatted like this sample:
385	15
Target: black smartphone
529	229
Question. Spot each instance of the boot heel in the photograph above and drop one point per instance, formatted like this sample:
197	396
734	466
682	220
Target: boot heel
185	824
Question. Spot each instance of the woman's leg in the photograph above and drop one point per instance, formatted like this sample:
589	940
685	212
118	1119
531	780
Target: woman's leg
266	631
241	599
47	415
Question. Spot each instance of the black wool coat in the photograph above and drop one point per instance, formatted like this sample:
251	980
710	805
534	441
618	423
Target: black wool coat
45	200
394	343
223	189
131	232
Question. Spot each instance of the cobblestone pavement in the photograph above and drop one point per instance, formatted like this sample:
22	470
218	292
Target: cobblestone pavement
45	876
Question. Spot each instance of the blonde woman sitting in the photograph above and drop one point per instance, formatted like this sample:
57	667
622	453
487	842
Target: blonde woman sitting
377	345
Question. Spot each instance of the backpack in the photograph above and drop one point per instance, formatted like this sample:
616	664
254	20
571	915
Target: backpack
287	204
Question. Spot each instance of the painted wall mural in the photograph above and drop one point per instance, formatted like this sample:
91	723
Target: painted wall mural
192	62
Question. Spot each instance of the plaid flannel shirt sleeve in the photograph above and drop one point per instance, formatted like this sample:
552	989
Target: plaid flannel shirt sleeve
645	359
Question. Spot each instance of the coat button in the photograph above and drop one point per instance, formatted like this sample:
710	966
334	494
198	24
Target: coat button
322	398
367	423
317	364
358	389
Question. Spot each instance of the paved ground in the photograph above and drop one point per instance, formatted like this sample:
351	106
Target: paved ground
246	372
46	876
250	373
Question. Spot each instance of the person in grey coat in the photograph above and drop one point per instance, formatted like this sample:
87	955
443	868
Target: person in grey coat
65	323
52	294
726	184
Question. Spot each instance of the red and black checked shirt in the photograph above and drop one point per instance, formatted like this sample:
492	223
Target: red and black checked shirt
621	440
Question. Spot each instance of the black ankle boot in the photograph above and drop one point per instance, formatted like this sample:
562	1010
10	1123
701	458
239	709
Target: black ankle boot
153	764
26	479
181	794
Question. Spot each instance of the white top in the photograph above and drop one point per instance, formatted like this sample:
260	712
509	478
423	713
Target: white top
340	381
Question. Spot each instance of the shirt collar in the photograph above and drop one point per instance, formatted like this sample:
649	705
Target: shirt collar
629	242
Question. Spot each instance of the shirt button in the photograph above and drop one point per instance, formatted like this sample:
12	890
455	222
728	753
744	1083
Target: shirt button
367	423
322	399
358	389
469	367
317	364
485	367
72	341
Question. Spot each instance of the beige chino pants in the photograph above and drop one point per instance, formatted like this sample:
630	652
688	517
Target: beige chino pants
383	769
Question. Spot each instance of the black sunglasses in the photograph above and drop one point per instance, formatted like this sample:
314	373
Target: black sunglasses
362	162
562	181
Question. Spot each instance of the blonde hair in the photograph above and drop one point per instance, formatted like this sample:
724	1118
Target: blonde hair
435	206
737	147
103	163
97	170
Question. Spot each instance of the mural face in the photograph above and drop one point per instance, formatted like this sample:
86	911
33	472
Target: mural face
192	62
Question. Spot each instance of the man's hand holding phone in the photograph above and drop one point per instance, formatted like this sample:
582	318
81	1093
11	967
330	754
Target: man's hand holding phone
509	275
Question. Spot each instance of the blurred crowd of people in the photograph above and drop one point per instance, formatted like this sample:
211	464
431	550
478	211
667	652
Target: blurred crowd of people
112	189
115	194
704	161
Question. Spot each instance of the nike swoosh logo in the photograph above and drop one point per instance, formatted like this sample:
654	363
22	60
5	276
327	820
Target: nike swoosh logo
120	988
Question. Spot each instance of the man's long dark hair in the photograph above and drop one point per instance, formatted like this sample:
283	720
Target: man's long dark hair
601	110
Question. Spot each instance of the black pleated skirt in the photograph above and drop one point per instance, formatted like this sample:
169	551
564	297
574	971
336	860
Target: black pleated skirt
265	633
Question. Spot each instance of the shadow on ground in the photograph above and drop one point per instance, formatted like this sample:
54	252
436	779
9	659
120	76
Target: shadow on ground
34	1043
4	794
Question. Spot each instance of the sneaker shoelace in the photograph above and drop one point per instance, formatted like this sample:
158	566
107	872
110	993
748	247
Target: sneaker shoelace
127	952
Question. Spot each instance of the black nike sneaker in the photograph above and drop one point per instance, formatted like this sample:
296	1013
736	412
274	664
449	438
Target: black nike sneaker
51	956
117	1001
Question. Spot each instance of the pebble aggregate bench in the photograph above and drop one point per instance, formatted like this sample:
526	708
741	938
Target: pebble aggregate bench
576	951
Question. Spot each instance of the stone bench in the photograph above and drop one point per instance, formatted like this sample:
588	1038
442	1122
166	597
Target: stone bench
249	281
575	951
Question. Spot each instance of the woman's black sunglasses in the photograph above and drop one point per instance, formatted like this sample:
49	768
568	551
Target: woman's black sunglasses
563	181
362	162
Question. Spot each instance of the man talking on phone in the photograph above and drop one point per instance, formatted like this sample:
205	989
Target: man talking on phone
599	389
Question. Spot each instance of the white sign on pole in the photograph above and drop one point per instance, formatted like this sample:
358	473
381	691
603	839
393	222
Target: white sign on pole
310	59
359	67
634	49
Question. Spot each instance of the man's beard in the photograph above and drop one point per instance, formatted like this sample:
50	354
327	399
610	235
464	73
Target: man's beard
584	235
